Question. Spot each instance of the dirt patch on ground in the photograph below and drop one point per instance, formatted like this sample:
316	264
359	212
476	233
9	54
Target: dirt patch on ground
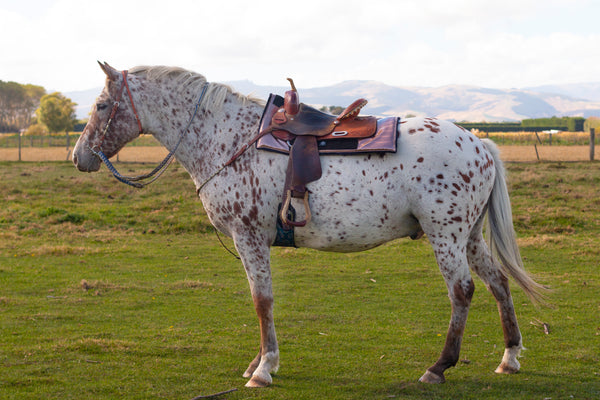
156	154
545	153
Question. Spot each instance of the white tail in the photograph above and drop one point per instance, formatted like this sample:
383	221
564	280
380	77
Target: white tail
501	235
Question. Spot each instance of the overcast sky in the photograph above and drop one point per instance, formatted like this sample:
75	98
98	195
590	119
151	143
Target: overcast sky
490	43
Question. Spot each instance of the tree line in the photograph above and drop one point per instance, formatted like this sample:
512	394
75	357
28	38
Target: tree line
29	108
570	124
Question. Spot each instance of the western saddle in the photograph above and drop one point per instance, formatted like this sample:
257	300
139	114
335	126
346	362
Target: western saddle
303	127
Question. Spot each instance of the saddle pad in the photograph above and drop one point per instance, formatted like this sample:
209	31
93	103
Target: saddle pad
383	141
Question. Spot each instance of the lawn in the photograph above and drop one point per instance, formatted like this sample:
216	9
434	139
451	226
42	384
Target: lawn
112	292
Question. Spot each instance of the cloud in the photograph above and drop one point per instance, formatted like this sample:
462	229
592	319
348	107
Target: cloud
430	42
535	60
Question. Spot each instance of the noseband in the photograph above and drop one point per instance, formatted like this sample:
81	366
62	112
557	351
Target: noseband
136	181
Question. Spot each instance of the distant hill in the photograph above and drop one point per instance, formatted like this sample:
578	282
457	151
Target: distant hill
452	102
85	99
585	91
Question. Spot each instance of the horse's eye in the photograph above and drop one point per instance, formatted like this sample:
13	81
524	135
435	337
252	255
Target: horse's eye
101	106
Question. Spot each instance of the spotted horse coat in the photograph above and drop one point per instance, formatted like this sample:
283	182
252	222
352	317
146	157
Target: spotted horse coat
440	182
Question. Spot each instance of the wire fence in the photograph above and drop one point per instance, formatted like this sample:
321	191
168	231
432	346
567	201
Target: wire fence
15	147
66	140
562	146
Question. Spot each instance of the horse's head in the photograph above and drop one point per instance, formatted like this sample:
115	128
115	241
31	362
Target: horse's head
113	123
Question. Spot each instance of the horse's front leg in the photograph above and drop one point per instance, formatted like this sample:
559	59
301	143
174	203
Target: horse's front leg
256	260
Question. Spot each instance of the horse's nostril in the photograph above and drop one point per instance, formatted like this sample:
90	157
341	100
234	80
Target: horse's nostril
74	159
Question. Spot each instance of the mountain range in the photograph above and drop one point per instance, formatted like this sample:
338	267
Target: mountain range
451	102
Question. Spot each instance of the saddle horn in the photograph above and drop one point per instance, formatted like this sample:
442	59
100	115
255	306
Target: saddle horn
291	102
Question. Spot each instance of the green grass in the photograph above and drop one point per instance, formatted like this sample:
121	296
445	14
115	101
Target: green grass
111	292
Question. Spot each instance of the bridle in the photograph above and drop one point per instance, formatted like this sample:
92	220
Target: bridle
138	181
113	112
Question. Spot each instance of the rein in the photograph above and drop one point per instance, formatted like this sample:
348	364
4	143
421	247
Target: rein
136	181
231	160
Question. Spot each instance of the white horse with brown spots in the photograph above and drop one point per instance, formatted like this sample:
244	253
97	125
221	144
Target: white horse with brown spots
441	181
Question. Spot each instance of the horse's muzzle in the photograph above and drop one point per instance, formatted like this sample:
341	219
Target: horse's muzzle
86	163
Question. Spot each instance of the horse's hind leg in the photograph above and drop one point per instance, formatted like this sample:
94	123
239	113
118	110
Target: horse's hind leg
452	261
490	272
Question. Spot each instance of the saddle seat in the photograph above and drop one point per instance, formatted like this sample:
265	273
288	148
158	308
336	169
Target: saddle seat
298	119
302	127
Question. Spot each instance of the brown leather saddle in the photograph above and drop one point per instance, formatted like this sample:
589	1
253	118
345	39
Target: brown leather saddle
303	131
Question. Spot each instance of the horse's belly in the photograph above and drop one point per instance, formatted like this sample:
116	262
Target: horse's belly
355	212
348	233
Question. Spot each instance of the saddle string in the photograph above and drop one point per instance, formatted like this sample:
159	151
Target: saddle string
233	158
164	164
224	245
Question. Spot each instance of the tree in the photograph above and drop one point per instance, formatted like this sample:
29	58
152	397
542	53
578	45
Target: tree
592	122
33	95
17	104
57	112
335	110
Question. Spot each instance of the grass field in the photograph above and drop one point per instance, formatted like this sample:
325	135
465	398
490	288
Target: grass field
112	292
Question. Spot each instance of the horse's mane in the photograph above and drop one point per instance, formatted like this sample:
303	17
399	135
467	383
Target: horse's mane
183	79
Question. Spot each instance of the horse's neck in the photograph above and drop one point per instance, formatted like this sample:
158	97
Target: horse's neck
213	136
165	114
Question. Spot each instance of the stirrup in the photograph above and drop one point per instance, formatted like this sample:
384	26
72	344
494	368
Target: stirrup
286	206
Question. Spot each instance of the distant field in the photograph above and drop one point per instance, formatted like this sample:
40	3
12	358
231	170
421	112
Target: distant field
515	146
522	153
546	153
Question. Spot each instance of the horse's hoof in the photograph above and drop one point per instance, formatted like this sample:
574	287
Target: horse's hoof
430	377
257	382
505	368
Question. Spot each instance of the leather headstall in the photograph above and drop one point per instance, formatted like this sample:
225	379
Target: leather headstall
115	107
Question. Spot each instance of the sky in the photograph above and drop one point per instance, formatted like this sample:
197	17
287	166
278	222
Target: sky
490	43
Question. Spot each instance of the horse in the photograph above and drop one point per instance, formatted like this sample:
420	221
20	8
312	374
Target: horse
441	182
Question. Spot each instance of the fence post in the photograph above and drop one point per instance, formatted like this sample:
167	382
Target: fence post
592	144
20	134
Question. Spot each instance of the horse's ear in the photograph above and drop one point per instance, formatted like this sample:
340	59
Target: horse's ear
110	72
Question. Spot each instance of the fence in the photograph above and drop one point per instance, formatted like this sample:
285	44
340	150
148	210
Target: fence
547	146
15	147
563	146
